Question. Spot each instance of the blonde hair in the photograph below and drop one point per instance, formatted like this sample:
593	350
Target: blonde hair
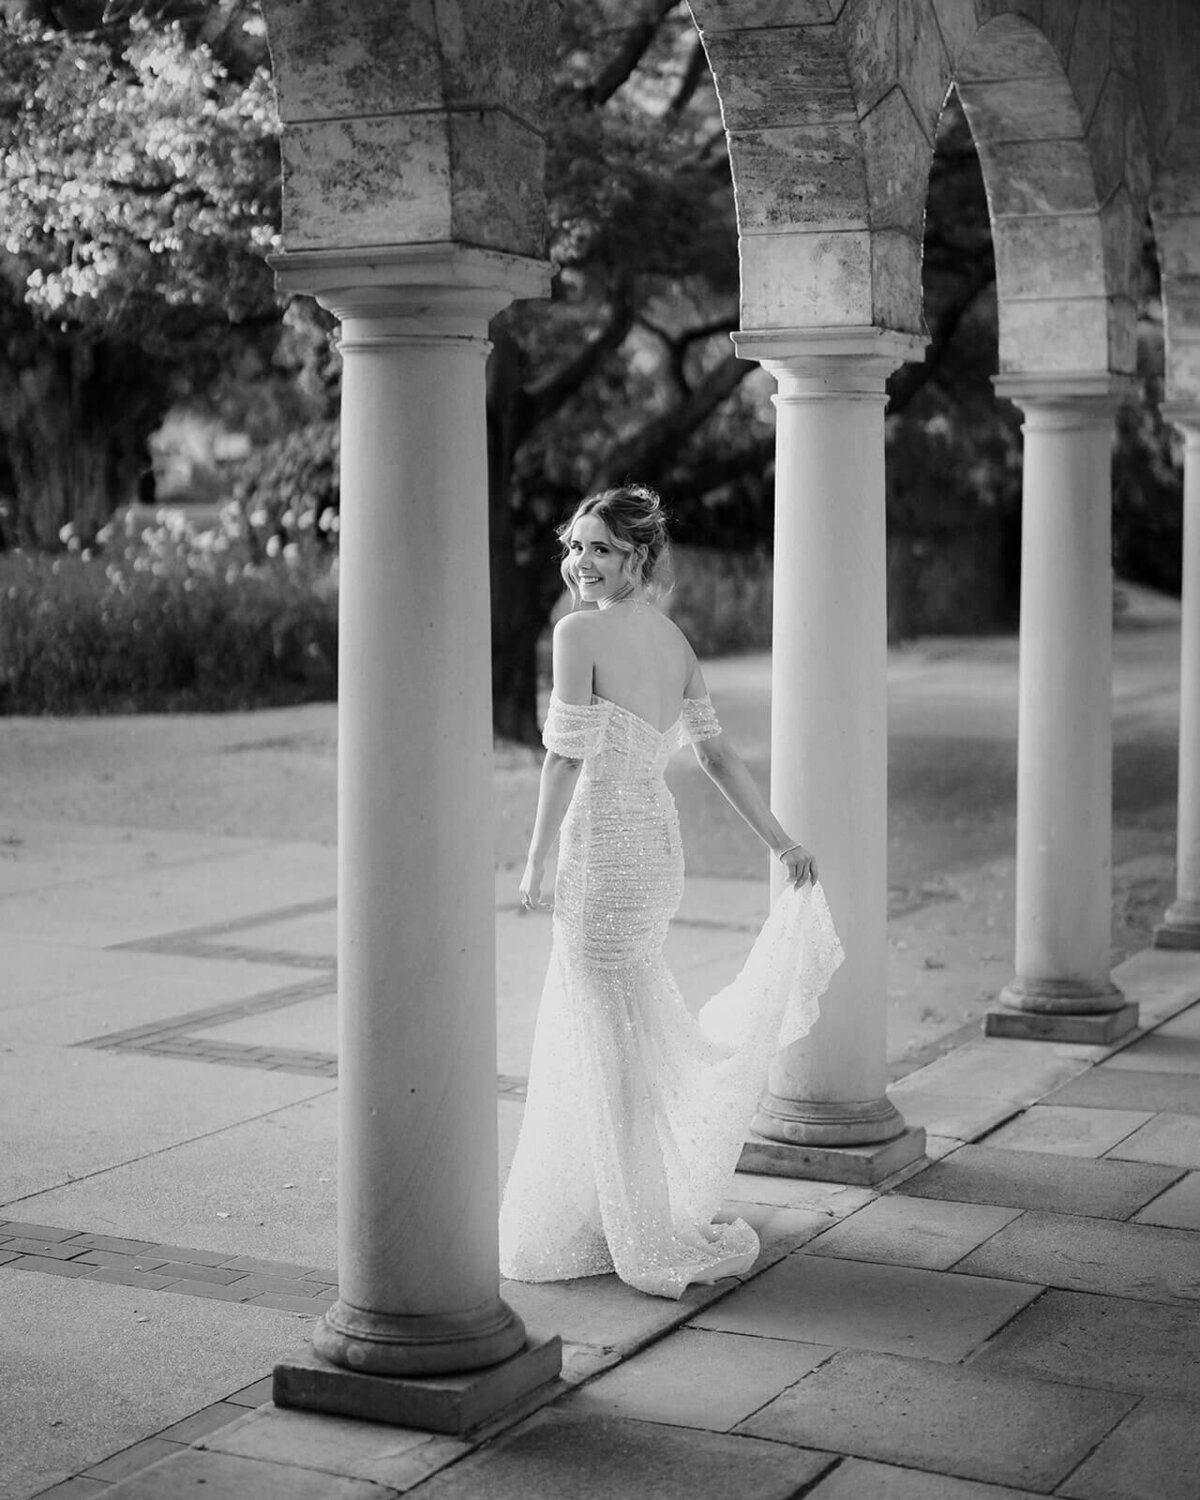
637	524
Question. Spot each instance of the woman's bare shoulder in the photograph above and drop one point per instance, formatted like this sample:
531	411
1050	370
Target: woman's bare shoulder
676	637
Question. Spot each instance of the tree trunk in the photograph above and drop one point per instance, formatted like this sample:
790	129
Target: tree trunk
519	609
74	425
518	620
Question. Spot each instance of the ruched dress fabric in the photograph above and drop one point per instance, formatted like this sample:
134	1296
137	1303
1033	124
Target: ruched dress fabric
637	1110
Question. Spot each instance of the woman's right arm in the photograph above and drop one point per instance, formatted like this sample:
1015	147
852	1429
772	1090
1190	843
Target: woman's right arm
572	684
555	790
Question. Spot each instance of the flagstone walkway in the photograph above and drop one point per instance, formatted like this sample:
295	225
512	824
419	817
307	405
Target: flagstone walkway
1020	1317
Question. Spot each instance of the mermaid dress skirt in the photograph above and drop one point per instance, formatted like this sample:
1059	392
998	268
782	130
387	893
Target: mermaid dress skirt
636	1109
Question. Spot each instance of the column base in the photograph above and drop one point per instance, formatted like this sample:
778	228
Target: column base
1180	926
1040	1026
1073	997
808	1122
433	1344
454	1404
863	1166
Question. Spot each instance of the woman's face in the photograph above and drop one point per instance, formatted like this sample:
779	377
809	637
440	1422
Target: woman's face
597	566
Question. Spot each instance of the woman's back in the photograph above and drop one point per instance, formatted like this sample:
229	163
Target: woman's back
641	661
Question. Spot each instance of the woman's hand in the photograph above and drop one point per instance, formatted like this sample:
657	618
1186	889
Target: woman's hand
801	867
531	887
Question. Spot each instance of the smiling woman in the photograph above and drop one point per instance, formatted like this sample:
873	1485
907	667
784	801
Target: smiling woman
636	1110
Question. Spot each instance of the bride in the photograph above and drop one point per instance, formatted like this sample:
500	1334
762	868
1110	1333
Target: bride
637	1110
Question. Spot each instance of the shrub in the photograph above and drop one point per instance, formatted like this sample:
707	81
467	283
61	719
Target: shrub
164	617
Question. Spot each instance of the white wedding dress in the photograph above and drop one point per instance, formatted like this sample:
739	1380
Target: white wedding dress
636	1109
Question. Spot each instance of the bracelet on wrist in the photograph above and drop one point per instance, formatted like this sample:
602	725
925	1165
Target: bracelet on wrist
782	854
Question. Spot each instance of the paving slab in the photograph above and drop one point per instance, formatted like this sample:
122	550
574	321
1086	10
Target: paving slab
309	1025
1154	1452
1064	1131
1162	982
1093	1255
1168	1138
953	1117
1109	1343
1185	1024
399	1457
907	1232
312	934
1177	1208
1160	1054
73	1112
834	1199
88	991
1131	1088
557	1456
223	1476
600	1311
262	1186
779	1230
1036	1179
40	853
699	1379
858	1479
89	1370
1005	1071
951	1419
174	899
858	1305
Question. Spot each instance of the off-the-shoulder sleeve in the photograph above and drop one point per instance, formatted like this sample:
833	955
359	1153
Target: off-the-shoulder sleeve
700	720
574	730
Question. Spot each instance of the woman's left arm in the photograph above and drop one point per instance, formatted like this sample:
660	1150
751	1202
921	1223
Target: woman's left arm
728	771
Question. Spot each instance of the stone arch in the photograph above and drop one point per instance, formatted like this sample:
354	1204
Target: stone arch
412	122
1065	221
830	108
1175	212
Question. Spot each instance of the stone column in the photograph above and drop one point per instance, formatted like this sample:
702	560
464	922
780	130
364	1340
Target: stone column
417	1187
827	1113
1062	990
1180	927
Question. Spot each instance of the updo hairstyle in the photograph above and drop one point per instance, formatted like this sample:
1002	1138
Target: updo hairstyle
637	523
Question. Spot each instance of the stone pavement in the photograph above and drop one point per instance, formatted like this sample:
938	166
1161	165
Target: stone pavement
1020	1317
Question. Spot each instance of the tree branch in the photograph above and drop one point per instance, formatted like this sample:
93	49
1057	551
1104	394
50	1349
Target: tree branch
633	48
649	451
693	76
912	378
544	398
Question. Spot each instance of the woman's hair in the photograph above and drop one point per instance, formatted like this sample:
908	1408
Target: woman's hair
637	523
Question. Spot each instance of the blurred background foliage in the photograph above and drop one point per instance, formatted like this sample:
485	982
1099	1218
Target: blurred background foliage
144	357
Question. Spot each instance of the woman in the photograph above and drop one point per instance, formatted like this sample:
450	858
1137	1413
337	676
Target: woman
637	1110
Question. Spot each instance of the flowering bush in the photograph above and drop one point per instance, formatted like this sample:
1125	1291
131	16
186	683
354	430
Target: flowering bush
163	616
287	492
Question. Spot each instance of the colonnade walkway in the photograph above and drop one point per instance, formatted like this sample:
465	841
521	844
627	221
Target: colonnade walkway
1019	1317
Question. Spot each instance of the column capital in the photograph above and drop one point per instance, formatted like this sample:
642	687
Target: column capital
828	361
1185	415
1066	395
404	291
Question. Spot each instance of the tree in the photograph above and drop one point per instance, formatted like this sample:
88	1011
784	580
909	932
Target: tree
140	188
630	366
